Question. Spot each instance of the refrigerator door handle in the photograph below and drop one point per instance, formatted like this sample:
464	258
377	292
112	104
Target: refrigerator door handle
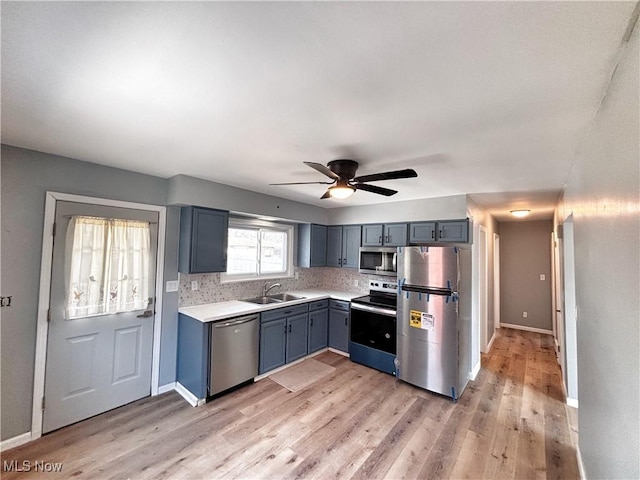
430	290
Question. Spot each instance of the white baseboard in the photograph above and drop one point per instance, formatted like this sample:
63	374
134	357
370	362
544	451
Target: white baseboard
527	329
490	344
166	388
15	441
339	352
572	402
475	371
188	396
581	471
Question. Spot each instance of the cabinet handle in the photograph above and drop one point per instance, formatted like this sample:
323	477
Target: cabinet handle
344	262
345	321
440	234
433	234
311	322
289	328
285	328
380	239
340	262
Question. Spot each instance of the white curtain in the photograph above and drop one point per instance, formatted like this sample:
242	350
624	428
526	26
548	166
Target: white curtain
107	266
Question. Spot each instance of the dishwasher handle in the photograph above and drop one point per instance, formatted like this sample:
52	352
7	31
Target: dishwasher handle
239	321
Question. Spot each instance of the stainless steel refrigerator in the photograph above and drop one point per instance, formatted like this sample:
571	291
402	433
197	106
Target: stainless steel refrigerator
434	318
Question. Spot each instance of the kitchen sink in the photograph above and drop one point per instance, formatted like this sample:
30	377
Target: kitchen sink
261	300
285	297
275	298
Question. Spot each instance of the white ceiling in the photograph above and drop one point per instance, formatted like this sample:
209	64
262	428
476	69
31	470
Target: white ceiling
482	98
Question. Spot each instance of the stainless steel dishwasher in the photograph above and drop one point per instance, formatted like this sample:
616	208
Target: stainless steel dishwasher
234	352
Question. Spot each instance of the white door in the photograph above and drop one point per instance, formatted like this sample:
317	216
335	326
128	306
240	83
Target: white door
100	338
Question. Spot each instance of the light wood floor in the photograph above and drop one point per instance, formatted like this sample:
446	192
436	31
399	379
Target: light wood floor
355	423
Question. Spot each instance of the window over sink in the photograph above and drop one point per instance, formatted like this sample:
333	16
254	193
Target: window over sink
258	250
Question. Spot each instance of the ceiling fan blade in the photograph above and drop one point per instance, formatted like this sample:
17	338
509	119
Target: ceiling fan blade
327	194
393	175
322	169
303	183
374	189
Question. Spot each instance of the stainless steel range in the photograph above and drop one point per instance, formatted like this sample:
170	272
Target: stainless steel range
372	339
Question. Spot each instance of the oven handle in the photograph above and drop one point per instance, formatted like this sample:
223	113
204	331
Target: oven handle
367	308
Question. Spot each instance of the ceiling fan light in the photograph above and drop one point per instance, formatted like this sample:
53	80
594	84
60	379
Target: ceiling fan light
341	191
520	213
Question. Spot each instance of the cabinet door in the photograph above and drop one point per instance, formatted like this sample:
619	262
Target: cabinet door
454	231
193	355
339	329
297	337
395	234
372	235
351	238
422	232
272	344
318	245
318	329
334	246
203	240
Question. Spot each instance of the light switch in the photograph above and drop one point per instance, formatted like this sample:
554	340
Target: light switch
194	285
172	286
542	277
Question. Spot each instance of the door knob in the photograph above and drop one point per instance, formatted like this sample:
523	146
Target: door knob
147	313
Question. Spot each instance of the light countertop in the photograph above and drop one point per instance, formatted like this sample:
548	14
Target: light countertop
210	312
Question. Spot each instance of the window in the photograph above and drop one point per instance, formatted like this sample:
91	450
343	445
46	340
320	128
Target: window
258	250
107	266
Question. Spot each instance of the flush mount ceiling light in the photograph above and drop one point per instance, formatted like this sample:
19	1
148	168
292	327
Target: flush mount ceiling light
520	213
341	191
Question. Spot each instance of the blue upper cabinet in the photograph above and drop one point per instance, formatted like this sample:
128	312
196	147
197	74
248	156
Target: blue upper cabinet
343	245
334	246
387	235
453	231
312	245
422	232
203	240
351	239
372	235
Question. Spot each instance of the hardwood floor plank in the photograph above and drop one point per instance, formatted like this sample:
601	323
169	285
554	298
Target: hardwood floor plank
354	423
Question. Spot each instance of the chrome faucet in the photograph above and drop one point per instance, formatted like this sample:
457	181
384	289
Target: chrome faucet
266	289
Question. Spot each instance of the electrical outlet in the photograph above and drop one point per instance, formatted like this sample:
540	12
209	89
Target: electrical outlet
542	277
172	286
524	314
194	285
355	283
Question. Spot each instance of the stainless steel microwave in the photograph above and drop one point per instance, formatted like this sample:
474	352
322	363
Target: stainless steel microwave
378	260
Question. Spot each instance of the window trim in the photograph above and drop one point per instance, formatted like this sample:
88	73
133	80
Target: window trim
235	222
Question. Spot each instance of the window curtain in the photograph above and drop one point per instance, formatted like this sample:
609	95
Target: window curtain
107	266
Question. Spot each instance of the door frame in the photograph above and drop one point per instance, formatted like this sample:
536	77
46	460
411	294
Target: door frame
42	327
483	285
496	285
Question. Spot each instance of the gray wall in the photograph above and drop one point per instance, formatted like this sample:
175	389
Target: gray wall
452	207
26	176
185	190
602	192
481	216
525	253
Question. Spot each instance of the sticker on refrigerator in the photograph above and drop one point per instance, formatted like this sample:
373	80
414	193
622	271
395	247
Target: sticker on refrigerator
422	320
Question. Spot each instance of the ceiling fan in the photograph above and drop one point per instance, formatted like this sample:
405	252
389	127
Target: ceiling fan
343	172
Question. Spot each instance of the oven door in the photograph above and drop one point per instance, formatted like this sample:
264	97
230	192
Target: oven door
373	327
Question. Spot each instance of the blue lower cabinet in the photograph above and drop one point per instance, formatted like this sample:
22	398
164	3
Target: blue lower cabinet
283	336
193	355
339	325
297	334
272	345
318	329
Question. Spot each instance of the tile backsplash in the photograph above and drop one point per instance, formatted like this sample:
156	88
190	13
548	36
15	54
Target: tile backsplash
210	289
